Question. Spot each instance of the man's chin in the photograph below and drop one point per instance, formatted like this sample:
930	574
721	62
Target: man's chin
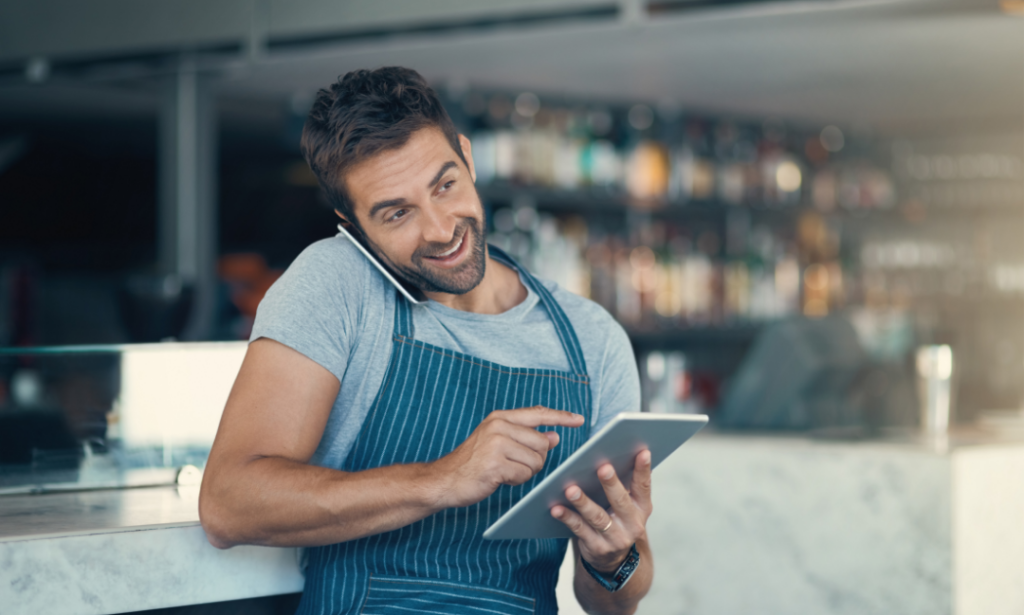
457	282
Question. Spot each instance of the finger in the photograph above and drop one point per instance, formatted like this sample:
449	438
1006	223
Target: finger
526	456
576	525
640	487
526	436
553	439
593	514
539	415
515	473
618	497
513	464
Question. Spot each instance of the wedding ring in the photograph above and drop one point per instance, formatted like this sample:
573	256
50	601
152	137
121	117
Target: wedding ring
607	527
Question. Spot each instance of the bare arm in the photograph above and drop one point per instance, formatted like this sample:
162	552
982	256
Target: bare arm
260	489
604	539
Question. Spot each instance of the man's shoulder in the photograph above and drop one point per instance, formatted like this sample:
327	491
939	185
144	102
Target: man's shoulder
328	274
323	304
334	254
329	265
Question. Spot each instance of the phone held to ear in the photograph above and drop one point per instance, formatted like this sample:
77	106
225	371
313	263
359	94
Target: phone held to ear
411	293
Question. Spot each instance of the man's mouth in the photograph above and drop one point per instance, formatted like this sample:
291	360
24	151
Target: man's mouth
452	255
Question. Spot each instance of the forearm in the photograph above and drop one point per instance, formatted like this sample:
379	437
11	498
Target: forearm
595	599
279	502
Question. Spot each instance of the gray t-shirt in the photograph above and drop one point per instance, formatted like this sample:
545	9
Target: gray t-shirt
332	306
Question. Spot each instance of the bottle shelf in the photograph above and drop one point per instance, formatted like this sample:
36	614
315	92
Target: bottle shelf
601	202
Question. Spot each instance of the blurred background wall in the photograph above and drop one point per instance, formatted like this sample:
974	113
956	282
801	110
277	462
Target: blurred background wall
700	168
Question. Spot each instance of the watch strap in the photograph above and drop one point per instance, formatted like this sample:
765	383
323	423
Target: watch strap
622	574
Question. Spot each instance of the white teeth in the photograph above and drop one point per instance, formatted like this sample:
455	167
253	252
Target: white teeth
452	251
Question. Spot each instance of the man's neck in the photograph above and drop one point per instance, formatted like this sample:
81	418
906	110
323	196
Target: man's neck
499	291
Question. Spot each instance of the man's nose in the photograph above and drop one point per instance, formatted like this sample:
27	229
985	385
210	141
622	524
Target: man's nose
438	225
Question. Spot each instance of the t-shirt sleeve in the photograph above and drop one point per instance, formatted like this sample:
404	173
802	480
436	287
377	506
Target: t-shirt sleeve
314	306
618	387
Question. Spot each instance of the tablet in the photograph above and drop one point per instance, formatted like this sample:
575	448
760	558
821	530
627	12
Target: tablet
617	443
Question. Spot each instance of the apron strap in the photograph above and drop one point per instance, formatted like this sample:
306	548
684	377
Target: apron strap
565	330
566	333
562	325
403	316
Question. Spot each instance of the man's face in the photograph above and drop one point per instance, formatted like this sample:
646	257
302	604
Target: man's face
420	212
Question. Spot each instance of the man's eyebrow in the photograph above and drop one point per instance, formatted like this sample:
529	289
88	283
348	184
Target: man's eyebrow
392	202
437	178
384	204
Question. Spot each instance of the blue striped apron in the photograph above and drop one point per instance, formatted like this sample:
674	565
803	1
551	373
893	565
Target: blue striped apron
431	400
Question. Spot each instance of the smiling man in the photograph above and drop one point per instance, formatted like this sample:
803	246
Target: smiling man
387	435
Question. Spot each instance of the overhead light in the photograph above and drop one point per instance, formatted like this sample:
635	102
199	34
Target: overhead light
1012	7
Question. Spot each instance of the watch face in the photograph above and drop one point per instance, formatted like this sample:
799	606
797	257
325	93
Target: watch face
625	571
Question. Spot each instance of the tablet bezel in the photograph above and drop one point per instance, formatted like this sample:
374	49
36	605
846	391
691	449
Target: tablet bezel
618	442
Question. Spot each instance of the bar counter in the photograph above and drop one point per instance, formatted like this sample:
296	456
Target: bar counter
742	524
792	525
111	551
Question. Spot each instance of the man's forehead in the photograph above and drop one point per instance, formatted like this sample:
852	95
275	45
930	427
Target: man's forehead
410	165
417	155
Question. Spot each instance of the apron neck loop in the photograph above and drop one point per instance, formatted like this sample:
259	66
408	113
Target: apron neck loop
566	333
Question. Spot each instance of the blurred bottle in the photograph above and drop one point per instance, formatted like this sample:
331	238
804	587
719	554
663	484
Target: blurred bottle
667	383
605	165
647	174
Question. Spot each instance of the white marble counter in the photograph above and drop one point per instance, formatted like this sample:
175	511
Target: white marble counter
100	552
789	526
90	512
742	525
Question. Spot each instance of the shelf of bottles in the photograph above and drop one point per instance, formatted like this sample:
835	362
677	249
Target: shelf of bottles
685	228
695	230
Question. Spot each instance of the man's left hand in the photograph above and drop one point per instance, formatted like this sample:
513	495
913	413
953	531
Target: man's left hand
604	537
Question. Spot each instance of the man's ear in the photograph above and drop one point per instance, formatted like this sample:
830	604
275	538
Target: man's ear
346	222
467	153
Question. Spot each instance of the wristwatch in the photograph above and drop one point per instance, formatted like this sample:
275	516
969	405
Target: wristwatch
621	576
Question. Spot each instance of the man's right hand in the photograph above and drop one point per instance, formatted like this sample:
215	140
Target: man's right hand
505	449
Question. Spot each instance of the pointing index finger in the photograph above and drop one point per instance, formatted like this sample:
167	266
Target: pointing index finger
539	415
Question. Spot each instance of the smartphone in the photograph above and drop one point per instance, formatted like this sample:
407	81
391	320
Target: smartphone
411	293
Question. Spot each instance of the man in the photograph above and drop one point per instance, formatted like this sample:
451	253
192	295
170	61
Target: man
386	435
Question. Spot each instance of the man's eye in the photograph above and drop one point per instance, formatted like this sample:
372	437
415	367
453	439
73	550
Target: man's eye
398	214
446	186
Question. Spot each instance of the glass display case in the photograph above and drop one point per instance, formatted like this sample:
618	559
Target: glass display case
92	417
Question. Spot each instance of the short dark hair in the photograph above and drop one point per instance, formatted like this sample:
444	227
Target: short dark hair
363	114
